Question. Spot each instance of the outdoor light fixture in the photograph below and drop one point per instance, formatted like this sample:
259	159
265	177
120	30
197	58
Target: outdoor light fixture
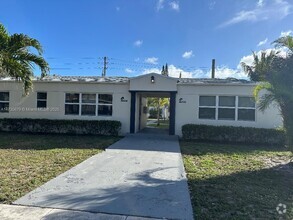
152	79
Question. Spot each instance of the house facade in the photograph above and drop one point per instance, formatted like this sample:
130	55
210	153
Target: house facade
197	101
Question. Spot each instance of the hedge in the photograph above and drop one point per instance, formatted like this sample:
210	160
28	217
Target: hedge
96	127
232	134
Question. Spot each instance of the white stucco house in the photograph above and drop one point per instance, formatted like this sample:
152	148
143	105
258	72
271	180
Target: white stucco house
199	101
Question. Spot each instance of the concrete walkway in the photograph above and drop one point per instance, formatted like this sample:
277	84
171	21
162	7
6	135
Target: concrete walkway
140	175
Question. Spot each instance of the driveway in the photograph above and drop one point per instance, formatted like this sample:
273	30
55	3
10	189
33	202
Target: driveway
140	175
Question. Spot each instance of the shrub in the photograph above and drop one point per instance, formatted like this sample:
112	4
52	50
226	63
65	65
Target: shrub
96	127
233	134
153	113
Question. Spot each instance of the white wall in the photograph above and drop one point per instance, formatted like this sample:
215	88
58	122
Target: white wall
187	113
56	99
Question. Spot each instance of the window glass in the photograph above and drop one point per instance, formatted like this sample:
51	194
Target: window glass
88	98
71	109
207	113
72	98
246	114
88	110
226	114
41	104
207	100
105	110
4	96
41	95
227	101
105	99
4	107
247	102
41	100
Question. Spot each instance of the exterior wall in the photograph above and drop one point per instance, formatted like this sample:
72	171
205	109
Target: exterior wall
56	100
187	113
162	83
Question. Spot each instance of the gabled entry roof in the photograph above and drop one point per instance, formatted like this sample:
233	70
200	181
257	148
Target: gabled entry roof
153	82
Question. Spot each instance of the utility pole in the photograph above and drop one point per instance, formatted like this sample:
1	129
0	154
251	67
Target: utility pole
213	68
105	67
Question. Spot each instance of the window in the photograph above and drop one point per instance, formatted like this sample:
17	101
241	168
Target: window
105	104
72	104
41	100
241	108
88	106
226	110
4	102
85	104
207	107
246	109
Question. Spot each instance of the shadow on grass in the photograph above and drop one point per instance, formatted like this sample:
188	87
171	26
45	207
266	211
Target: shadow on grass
244	195
27	141
201	148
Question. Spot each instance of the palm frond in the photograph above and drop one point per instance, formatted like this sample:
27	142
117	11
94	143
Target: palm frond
22	41
38	60
286	41
265	101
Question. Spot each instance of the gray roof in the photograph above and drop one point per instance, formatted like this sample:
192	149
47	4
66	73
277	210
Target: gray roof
213	81
118	79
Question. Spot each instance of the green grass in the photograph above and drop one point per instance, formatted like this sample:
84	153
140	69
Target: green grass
28	161
163	124
238	182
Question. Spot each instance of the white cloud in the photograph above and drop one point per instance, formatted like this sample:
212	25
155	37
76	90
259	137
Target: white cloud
187	54
138	43
276	10
260	3
160	5
174	5
128	70
212	5
151	60
263	42
286	33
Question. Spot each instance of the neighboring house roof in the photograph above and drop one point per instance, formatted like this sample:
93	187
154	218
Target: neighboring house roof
123	80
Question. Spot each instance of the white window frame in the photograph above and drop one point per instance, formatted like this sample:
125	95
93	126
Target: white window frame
80	103
6	101
42	99
226	107
217	107
70	103
98	104
213	107
94	104
248	108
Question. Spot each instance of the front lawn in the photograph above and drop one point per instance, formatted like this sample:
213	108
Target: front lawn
238	182
28	161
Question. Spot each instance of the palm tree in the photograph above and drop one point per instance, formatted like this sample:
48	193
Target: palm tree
158	103
17	60
275	75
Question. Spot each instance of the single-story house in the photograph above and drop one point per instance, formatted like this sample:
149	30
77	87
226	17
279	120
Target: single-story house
192	100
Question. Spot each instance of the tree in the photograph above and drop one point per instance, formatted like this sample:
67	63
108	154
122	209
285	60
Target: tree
165	70
17	60
274	74
158	103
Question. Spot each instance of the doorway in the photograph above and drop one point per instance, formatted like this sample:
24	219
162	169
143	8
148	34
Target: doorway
152	112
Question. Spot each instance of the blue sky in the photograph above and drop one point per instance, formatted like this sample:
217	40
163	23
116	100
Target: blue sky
140	36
